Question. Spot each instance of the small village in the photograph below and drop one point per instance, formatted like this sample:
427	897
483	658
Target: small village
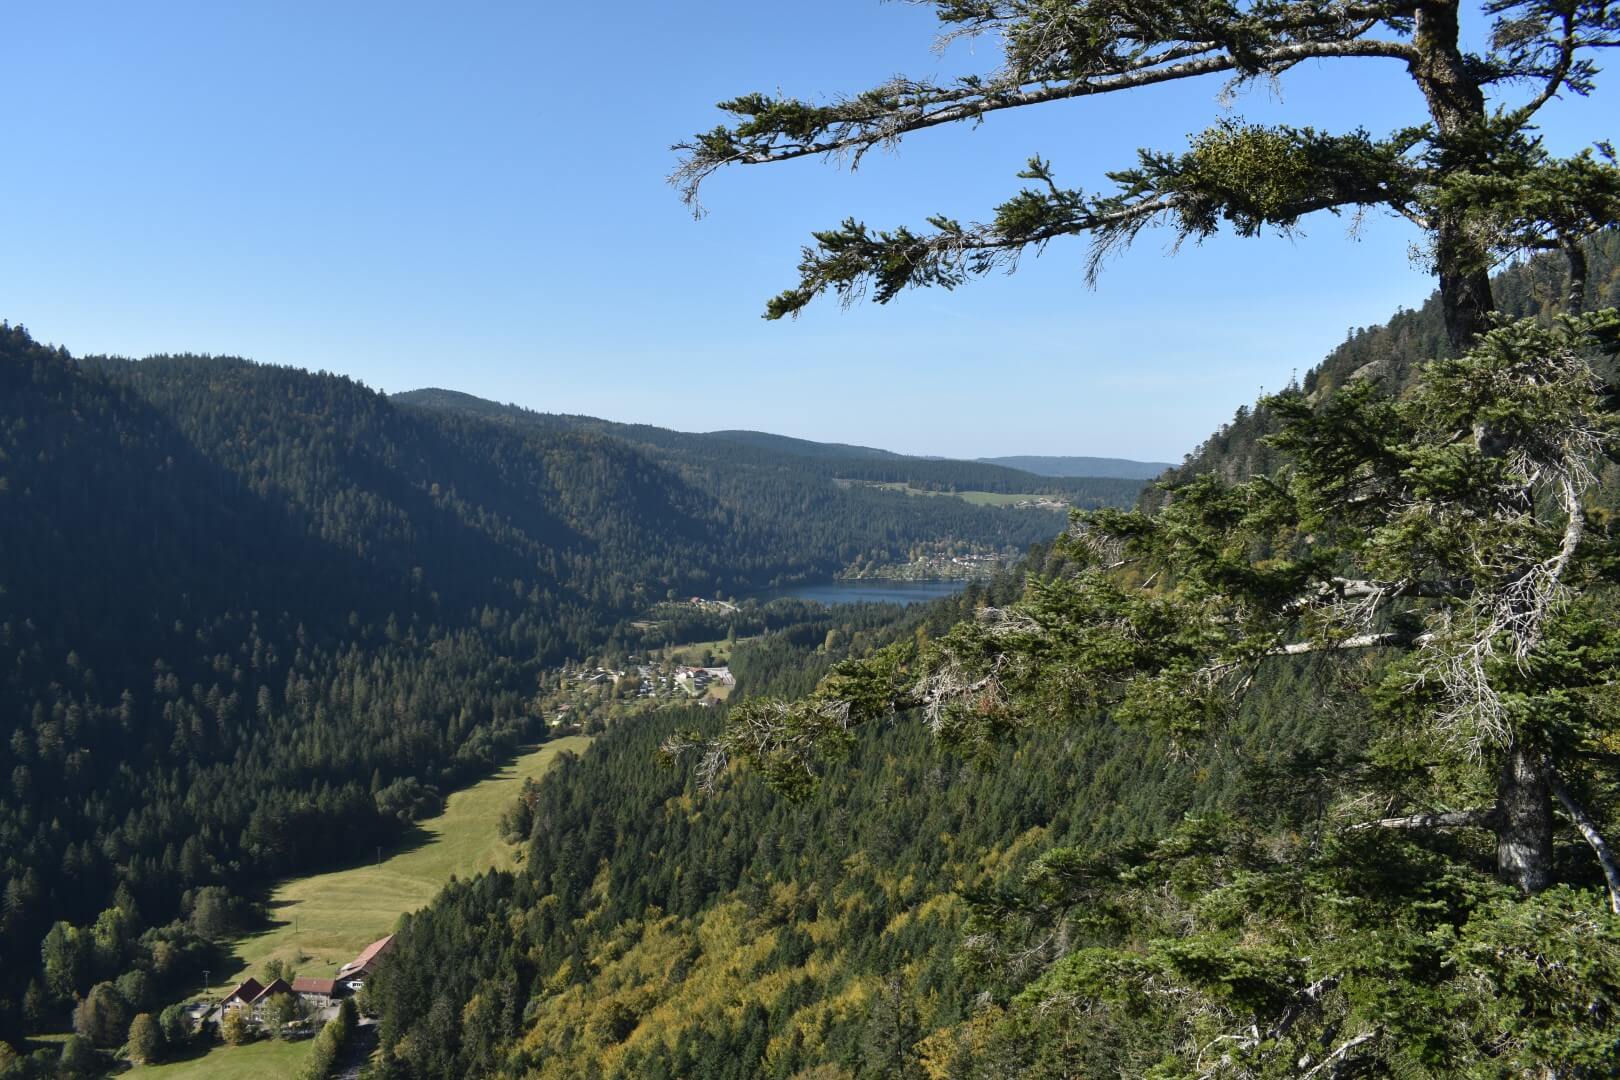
585	697
942	562
1043	502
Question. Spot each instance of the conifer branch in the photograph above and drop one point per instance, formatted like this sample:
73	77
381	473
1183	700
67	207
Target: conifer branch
779	129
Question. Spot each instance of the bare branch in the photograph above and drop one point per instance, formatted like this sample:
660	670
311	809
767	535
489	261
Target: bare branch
1448	819
1391	639
1343	1049
1588	829
1356	587
1556	77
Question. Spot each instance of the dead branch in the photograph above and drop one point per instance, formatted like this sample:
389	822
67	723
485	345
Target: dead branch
1448	819
1588	829
1343	1049
1392	639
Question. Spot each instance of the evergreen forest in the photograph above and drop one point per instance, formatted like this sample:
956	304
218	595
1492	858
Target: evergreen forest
1007	898
257	620
1299	761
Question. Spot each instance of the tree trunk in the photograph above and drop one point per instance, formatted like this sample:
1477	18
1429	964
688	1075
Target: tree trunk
1575	293
1465	295
1524	833
1457	106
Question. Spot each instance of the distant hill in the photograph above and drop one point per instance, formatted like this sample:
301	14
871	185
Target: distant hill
253	618
1392	354
729	455
803	447
1117	468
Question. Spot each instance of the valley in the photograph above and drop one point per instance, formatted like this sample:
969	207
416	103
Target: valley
467	583
466	614
320	922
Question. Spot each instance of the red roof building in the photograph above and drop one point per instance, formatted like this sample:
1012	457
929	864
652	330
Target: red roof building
262	998
366	962
317	992
243	994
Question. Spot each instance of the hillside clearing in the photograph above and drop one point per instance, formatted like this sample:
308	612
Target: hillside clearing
1028	499
322	921
268	1059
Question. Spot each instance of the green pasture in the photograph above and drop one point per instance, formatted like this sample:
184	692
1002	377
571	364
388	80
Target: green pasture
267	1059
320	922
977	498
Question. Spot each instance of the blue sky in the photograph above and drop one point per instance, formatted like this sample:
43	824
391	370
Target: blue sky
473	196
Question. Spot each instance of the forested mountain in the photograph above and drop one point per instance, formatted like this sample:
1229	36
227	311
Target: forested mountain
925	912
1118	468
254	619
259	618
657	932
731	461
1391	353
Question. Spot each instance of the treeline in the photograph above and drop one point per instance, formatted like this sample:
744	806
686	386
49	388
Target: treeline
658	931
735	462
1392	352
253	620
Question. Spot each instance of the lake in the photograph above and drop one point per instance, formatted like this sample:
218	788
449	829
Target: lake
863	592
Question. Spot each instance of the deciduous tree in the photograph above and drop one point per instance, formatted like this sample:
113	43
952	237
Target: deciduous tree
145	1043
102	1017
235	1028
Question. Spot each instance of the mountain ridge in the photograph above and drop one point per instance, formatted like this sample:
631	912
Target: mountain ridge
762	450
1048	465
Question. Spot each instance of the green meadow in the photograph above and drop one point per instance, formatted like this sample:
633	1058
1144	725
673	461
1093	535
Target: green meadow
267	1059
320	922
977	498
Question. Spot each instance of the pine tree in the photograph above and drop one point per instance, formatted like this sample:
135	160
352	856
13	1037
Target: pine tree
1433	549
1470	174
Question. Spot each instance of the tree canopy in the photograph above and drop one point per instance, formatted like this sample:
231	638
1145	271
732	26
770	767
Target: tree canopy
1435	551
1472	174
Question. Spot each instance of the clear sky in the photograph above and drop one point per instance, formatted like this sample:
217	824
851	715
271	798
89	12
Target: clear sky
472	195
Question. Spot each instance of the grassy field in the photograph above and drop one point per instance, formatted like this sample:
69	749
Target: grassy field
693	652
267	1059
321	922
977	498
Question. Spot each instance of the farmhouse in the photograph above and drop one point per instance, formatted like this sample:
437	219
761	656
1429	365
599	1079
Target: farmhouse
353	974
242	996
316	993
257	1005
